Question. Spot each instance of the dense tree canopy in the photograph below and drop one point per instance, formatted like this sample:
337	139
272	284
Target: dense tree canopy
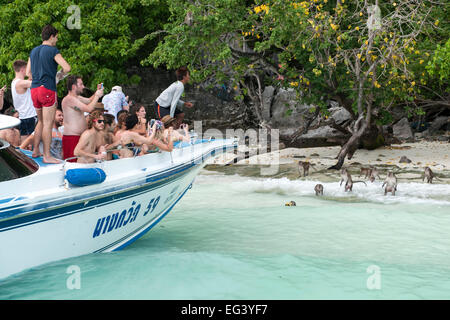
324	49
368	55
107	36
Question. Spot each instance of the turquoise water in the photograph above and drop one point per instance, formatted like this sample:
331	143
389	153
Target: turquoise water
232	237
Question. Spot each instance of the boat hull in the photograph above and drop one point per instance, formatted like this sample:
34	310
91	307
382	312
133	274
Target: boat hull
92	219
109	223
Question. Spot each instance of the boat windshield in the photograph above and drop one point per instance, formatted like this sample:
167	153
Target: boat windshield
14	164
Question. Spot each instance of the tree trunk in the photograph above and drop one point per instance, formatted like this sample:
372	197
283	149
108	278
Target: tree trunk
349	148
373	138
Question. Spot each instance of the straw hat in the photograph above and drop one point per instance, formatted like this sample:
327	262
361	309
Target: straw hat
167	120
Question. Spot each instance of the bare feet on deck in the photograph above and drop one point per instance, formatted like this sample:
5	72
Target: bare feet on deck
50	160
36	155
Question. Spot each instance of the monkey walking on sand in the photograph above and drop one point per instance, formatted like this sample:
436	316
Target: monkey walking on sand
305	165
391	183
429	175
347	178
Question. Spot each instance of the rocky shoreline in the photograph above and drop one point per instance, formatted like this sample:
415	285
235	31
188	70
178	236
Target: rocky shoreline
416	156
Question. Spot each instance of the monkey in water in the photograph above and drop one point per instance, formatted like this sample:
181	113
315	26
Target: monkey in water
318	189
347	178
391	183
369	173
366	172
374	173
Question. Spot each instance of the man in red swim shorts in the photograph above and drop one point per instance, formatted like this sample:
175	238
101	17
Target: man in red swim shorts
74	105
42	69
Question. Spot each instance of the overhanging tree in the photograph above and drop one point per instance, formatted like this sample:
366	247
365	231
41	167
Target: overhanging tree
367	55
98	43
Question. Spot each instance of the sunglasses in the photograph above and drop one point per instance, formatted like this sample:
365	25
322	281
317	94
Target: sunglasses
100	121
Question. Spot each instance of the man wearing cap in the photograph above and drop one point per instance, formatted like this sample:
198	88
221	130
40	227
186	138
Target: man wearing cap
115	101
169	99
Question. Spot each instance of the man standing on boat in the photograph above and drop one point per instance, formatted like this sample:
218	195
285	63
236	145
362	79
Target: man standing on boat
74	106
21	94
169	99
42	70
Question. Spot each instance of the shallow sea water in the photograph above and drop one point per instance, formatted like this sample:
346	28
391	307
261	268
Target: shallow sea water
232	237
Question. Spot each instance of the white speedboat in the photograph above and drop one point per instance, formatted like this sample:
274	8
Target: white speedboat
44	217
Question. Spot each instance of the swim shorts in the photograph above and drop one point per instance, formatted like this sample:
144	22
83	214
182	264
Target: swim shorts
69	143
43	97
27	126
163	111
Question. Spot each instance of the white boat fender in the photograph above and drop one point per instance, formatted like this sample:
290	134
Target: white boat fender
82	177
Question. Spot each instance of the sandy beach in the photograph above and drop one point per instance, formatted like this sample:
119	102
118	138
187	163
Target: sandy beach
433	154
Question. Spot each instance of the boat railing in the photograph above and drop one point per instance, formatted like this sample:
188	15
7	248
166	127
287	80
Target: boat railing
101	163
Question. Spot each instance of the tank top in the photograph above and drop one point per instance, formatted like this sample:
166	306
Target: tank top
22	102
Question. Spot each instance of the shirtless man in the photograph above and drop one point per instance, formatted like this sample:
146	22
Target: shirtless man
74	106
11	135
90	147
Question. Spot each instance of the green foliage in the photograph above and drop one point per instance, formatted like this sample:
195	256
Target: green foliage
439	65
321	49
112	34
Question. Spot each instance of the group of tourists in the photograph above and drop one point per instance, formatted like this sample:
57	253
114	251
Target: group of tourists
84	129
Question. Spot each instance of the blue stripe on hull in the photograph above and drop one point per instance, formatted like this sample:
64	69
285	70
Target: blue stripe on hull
29	208
33	209
136	234
80	206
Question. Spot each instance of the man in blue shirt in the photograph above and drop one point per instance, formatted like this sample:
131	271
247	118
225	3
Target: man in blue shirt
42	70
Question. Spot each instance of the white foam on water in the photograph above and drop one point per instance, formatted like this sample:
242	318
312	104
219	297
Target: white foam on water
407	192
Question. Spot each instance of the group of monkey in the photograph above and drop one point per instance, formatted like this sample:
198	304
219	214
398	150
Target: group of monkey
389	185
